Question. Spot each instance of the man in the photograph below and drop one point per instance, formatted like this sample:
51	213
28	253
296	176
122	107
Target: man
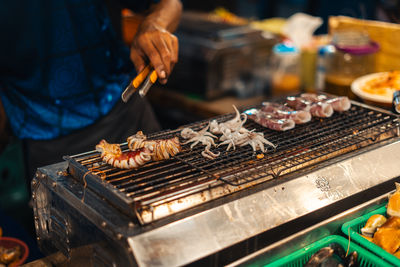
63	68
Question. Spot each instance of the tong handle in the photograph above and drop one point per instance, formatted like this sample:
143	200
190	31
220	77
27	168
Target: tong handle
153	76
151	79
141	76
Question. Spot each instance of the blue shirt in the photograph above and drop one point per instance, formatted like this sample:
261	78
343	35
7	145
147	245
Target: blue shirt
62	65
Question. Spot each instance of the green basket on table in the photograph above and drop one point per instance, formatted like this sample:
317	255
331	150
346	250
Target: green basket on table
300	257
353	229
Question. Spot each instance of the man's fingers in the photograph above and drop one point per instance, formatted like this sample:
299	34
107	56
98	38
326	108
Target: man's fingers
164	53
155	58
160	48
172	44
138	60
175	49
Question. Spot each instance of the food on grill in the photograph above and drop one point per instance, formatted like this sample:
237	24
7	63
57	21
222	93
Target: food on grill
204	137
319	105
340	103
270	120
317	109
232	134
393	207
383	84
322	110
9	256
284	112
113	155
234	124
161	148
372	224
244	137
332	255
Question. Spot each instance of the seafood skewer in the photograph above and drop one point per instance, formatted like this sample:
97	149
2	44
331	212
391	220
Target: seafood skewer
161	148
317	109
284	112
113	155
270	120
340	103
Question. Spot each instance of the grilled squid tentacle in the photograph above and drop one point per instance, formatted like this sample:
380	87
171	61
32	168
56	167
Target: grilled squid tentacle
162	148
113	155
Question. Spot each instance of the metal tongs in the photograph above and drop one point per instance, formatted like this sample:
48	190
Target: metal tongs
142	82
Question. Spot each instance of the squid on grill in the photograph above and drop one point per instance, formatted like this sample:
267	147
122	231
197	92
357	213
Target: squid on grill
161	148
340	103
280	111
317	109
113	155
270	120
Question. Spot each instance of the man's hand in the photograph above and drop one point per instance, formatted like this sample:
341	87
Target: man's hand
154	41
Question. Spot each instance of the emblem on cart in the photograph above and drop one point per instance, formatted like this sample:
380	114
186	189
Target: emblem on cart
322	184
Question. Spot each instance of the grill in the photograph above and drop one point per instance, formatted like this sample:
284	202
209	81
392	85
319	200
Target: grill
160	189
212	212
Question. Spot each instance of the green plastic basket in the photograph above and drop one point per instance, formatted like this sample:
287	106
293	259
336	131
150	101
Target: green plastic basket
300	257
353	228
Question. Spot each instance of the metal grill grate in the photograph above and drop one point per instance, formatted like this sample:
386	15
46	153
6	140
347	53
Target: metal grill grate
159	189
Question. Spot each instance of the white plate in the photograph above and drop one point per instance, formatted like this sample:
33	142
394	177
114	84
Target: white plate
358	84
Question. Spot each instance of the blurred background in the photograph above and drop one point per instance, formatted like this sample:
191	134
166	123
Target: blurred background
240	52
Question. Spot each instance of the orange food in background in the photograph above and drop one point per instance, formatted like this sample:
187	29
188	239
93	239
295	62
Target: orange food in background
387	235
385	84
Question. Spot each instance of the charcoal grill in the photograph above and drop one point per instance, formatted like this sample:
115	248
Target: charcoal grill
180	210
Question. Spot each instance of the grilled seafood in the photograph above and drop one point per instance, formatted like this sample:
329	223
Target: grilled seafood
245	137
340	103
393	207
322	110
113	155
162	148
232	134
375	221
270	120
234	124
204	137
284	112
256	140
317	109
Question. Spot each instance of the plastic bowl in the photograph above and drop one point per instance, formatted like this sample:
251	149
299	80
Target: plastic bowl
9	242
